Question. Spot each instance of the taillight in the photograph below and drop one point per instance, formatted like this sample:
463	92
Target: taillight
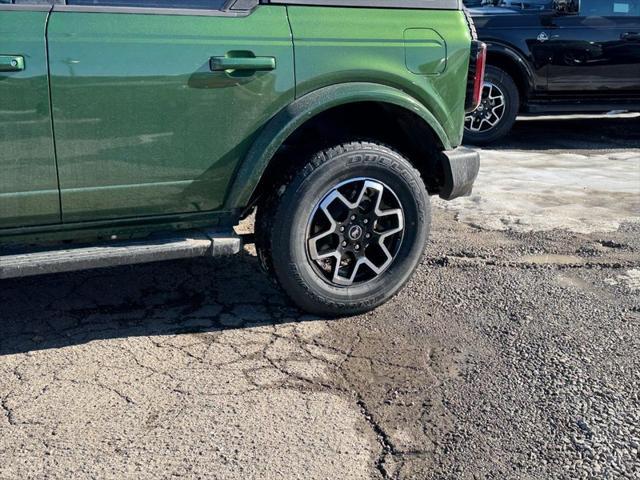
475	81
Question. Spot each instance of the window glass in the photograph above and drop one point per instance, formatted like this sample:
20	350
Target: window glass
197	4
515	4
609	8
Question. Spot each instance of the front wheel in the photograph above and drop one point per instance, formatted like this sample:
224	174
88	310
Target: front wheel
348	230
498	109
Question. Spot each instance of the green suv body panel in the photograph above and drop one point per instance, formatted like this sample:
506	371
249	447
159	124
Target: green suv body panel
338	45
28	178
167	119
143	125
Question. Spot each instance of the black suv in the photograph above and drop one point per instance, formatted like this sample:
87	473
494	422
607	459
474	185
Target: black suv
562	56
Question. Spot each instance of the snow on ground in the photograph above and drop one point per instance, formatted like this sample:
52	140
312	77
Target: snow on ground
579	174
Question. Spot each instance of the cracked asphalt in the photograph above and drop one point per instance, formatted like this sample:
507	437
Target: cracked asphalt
514	352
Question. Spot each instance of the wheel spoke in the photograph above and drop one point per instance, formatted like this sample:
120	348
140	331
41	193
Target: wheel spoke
489	89
386	213
316	255
356	270
335	195
397	212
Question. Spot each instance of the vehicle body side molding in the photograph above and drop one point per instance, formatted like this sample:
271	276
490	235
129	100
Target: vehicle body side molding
303	109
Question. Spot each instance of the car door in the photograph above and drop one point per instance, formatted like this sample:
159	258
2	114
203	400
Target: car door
156	102
598	49
28	179
516	34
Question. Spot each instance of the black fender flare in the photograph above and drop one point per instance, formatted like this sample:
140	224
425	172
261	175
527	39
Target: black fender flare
516	57
288	120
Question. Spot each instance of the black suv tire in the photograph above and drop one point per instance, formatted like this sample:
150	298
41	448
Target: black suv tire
504	87
347	202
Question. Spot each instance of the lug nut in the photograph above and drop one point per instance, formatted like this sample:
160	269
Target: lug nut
344	244
368	235
342	229
357	247
365	221
353	217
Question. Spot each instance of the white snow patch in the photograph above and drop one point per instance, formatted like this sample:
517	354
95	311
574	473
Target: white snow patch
539	191
631	279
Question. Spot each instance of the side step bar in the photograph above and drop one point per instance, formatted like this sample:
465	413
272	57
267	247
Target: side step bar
194	244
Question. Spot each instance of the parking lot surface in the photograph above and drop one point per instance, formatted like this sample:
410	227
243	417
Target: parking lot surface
513	353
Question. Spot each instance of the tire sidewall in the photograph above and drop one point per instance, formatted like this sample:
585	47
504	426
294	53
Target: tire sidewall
293	267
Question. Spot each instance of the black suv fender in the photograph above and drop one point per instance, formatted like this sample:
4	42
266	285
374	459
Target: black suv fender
513	62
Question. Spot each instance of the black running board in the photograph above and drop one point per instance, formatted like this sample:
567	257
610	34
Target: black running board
195	244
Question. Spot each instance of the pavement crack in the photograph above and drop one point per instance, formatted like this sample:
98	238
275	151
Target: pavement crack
152	370
460	261
181	349
8	412
383	439
122	396
294	376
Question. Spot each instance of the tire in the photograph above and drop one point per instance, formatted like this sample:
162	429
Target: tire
505	85
300	209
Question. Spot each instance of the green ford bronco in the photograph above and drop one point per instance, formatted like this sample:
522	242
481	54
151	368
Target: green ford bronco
144	130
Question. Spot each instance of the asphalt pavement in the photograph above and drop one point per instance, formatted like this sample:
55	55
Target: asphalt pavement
514	352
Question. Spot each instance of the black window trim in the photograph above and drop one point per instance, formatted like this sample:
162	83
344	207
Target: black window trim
243	8
227	10
404	4
26	7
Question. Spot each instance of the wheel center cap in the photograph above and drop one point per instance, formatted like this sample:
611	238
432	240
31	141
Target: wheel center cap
355	232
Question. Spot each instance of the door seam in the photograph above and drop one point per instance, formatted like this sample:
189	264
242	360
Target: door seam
293	51
53	129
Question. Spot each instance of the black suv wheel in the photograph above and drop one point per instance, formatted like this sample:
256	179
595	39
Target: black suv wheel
497	112
347	231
